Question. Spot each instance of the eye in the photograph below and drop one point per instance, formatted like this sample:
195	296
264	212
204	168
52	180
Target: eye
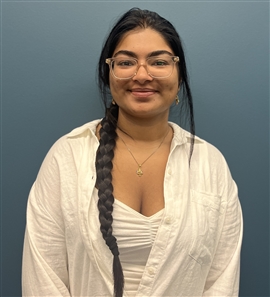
158	62
125	62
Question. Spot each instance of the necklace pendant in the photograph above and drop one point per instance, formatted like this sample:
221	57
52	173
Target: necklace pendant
139	171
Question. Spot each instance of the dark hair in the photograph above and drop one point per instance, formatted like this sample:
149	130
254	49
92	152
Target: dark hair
134	18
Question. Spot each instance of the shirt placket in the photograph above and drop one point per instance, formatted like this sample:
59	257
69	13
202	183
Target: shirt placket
164	232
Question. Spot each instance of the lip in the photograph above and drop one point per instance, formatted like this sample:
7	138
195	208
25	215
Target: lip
142	92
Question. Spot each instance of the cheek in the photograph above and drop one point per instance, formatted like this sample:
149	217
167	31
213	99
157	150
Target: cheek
116	83
113	85
171	88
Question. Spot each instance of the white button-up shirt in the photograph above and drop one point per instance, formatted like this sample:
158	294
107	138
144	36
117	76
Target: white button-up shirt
197	247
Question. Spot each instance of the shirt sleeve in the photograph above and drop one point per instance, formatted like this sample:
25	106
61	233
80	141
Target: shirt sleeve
45	266
223	277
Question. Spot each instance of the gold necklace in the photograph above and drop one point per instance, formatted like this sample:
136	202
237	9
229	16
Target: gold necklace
139	171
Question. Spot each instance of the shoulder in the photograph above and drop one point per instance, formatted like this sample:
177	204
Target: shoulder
202	149
72	148
205	156
209	170
76	139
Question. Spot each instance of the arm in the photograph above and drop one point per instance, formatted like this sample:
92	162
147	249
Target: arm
223	277
45	267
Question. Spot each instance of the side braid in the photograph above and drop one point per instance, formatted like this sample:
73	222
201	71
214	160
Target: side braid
104	157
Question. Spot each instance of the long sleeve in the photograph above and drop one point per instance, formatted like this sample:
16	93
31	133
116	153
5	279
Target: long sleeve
223	277
45	268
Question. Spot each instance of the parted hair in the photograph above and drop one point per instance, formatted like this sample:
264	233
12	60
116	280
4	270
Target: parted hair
133	18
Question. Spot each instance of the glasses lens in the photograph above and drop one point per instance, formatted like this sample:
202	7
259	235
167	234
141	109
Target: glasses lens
124	67
158	66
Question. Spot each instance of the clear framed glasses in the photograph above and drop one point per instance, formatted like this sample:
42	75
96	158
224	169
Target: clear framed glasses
123	67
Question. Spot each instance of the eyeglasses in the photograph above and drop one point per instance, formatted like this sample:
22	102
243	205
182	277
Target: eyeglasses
123	67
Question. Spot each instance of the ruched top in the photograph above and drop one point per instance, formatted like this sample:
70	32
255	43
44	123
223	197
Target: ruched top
135	235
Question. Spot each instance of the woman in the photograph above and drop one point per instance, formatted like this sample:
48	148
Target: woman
165	201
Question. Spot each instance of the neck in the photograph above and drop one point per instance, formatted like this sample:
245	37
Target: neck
146	130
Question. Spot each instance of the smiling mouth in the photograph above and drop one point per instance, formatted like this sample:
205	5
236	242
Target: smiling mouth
142	92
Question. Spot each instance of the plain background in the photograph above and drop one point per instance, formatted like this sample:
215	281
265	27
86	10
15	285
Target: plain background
49	53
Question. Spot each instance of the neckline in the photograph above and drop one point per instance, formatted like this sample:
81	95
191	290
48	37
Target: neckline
130	209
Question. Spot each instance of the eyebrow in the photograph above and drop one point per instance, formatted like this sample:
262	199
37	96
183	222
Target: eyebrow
133	55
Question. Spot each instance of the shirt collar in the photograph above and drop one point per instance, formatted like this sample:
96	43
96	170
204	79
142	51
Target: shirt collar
91	127
181	136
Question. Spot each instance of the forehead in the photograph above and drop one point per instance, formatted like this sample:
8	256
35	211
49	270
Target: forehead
142	41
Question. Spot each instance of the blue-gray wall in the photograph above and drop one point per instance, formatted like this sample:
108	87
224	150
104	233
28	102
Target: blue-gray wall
49	55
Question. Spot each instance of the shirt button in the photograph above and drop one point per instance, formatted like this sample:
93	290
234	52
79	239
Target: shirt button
151	270
169	171
168	220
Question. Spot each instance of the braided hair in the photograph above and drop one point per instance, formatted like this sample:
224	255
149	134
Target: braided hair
104	166
134	18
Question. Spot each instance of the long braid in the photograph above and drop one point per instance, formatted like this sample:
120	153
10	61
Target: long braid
104	166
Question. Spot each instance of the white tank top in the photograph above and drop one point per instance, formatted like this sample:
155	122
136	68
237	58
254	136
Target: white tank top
135	234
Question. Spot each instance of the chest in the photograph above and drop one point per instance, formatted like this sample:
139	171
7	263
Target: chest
138	179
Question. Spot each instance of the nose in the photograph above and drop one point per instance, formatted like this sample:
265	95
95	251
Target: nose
142	74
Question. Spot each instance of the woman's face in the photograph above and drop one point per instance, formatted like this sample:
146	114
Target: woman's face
143	95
